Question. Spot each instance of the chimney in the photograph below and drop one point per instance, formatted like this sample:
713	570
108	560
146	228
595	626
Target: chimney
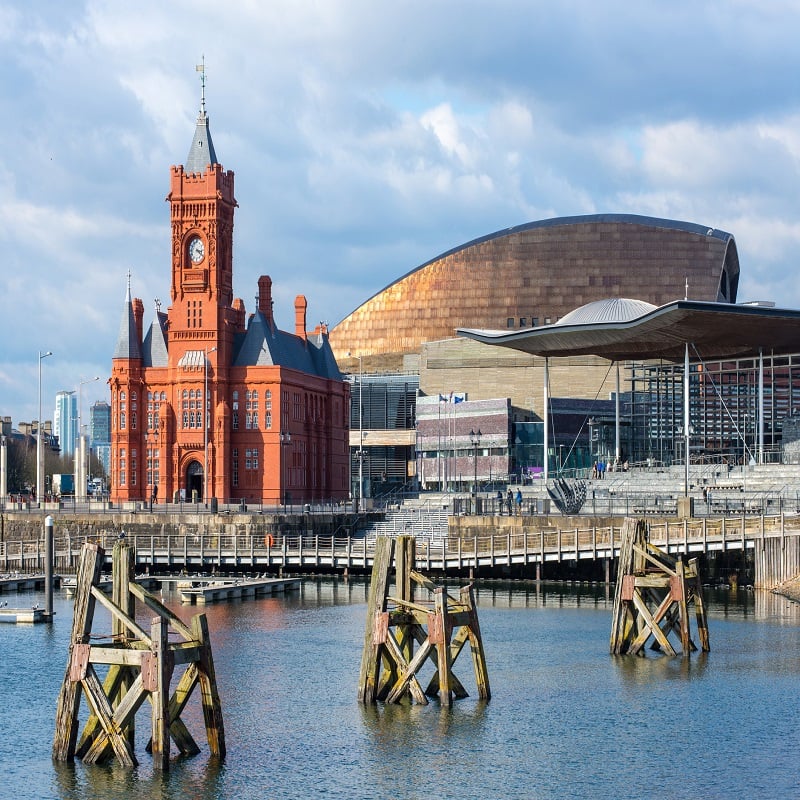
300	305
138	316
265	297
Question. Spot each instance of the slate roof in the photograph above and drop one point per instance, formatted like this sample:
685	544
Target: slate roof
265	345
201	153
128	339
154	347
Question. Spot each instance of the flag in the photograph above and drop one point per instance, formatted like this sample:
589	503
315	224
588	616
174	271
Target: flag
442	398
458	399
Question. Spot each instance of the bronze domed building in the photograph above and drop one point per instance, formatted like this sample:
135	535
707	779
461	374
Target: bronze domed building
534	274
519	278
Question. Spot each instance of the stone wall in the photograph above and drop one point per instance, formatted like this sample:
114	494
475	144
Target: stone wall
29	526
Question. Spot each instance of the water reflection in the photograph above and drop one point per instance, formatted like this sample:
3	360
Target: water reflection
183	780
643	671
565	719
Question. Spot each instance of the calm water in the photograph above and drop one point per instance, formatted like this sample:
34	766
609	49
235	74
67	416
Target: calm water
565	719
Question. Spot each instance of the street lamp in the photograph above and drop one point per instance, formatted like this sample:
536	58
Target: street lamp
286	439
3	471
80	450
205	423
39	463
475	439
360	430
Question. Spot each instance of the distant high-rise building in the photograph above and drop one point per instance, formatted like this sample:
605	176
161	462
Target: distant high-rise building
65	421
100	432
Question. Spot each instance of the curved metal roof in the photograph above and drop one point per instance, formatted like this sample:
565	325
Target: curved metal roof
554	222
613	309
713	330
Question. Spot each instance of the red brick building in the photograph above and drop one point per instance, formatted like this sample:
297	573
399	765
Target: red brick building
277	411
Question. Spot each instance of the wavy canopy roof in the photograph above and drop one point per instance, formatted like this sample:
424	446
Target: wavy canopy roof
713	330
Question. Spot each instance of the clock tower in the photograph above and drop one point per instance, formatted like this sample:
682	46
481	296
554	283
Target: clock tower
210	403
202	206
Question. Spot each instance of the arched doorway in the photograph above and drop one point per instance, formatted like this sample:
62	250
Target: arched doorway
194	481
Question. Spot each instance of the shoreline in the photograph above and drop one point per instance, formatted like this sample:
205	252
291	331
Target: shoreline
790	589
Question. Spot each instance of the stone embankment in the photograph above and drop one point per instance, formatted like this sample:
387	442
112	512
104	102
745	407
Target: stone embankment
790	589
28	527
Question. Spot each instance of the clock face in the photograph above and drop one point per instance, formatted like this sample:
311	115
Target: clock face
196	250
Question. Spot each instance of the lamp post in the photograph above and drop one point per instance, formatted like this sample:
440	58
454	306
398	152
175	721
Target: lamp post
360	430
475	439
80	449
3	471
286	439
39	463
205	424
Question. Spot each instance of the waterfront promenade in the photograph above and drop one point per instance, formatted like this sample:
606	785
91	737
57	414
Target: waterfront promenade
503	542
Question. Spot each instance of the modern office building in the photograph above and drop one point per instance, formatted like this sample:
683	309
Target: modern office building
523	278
211	402
100	432
65	421
382	432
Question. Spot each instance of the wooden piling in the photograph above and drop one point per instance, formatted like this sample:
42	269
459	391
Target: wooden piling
69	698
402	633
140	668
652	597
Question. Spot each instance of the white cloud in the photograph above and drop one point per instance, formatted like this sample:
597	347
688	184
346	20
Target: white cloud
368	138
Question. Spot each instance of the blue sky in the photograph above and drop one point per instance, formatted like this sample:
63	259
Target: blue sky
367	137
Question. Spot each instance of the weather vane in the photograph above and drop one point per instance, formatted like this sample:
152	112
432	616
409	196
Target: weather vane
201	68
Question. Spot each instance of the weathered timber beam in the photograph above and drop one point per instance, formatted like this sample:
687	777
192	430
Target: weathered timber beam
112	686
658	563
407	671
69	697
185	652
473	630
120	615
177	729
456	687
376	621
112	730
154	604
651	581
428	584
121	656
209	693
439	632
98	746
423	580
650	627
159	694
407	604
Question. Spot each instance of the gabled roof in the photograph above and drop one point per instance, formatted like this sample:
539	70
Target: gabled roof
263	345
128	339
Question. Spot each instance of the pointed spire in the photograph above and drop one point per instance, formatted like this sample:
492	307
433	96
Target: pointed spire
128	340
201	153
